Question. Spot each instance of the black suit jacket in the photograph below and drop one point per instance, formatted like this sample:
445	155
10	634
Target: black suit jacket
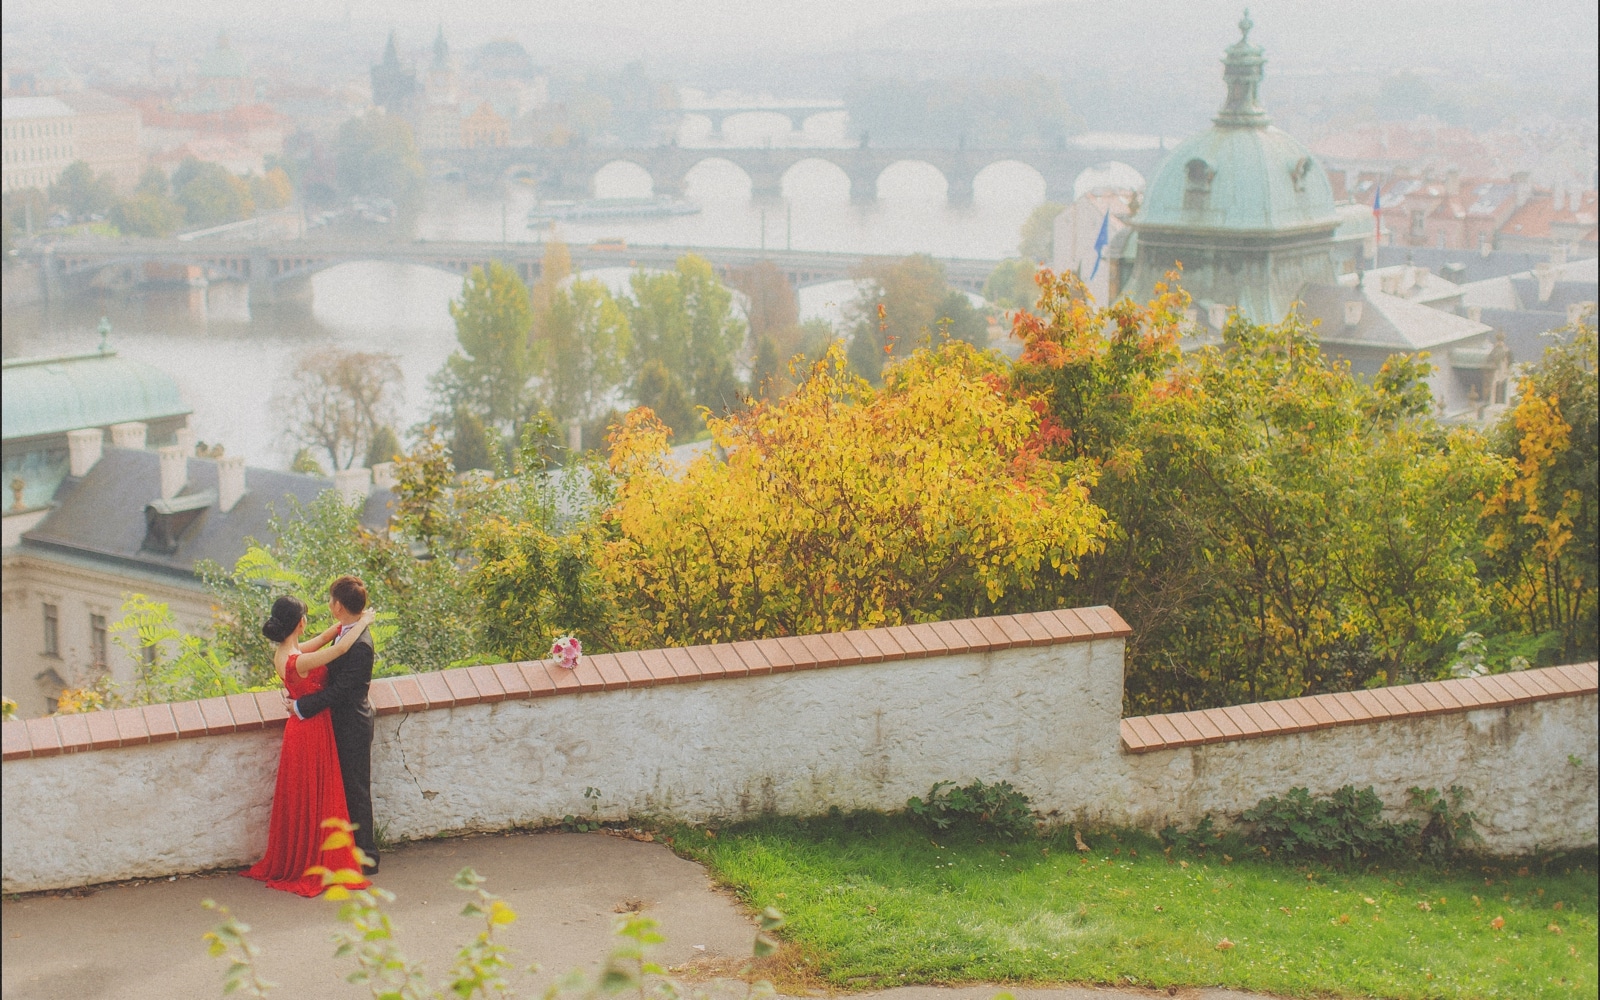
349	676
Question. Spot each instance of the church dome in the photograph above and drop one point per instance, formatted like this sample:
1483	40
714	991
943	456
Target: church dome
1242	174
48	396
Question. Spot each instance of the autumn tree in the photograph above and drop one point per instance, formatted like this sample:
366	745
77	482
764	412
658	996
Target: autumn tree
894	312
272	190
494	325
923	500
336	402
904	305
1010	285
82	192
1037	241
1541	523
587	343
772	306
1281	526
684	320
150	210
376	155
210	195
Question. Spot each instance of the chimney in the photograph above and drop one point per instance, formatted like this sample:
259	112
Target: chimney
1217	315
384	476
1545	272
129	435
1352	312
1524	187
352	484
1389	283
84	448
174	470
186	439
1475	313
230	481
1452	182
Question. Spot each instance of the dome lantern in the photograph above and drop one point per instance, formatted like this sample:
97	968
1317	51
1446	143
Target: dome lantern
1242	69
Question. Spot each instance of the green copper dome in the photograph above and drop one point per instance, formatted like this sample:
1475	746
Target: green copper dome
1242	174
46	396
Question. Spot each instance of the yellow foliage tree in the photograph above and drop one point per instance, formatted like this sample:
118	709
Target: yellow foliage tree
1541	524
842	506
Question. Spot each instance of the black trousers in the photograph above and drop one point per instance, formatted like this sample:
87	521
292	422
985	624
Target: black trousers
352	734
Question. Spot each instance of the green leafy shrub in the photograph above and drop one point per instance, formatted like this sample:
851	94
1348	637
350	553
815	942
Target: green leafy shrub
1194	841
997	808
1448	826
1347	825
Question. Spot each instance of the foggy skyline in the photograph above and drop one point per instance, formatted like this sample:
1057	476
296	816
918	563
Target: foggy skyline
1495	38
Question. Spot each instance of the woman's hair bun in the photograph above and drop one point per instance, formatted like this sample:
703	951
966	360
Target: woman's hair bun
286	615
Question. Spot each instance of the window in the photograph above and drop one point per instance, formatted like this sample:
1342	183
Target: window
97	641
1419	223
52	631
1197	189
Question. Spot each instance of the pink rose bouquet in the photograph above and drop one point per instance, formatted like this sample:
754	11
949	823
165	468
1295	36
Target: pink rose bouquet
567	649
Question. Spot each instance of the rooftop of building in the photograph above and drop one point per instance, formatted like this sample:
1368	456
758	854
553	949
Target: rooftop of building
52	395
1542	211
1385	321
22	108
102	516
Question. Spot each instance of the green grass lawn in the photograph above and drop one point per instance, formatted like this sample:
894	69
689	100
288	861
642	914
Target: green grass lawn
873	901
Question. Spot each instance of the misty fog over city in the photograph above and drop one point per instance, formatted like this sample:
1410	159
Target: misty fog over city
1405	88
830	495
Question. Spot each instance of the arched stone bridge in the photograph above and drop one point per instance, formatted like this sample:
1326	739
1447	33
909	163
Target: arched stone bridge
282	270
570	172
797	113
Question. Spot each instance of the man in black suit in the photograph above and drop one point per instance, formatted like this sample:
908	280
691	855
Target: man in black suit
345	695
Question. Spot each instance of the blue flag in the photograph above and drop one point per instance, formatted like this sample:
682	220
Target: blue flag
1100	243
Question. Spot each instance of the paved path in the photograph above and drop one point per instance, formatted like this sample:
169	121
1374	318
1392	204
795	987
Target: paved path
143	942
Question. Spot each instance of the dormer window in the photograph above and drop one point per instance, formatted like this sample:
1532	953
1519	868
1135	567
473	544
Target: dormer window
1298	173
1197	188
166	521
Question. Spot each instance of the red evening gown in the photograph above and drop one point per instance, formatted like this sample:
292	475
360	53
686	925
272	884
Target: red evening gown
310	789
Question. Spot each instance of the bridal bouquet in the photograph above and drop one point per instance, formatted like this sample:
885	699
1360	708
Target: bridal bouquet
567	649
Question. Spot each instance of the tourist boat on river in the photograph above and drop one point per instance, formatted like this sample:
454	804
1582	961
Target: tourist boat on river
546	212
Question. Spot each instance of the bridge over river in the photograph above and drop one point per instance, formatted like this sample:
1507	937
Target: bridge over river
279	271
569	172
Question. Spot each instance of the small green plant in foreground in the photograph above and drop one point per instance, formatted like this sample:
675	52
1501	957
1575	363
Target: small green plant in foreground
878	900
481	966
997	808
589	823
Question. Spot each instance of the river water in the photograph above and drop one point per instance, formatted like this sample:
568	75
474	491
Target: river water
231	363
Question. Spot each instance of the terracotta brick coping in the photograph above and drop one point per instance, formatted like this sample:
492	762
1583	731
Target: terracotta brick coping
122	727
1144	734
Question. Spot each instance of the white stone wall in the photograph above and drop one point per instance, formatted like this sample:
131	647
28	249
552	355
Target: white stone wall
867	736
1529	769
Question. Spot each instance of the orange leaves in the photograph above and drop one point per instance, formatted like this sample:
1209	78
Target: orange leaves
1497	922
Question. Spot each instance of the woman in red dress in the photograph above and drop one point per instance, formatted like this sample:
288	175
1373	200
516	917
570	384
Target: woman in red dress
310	787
